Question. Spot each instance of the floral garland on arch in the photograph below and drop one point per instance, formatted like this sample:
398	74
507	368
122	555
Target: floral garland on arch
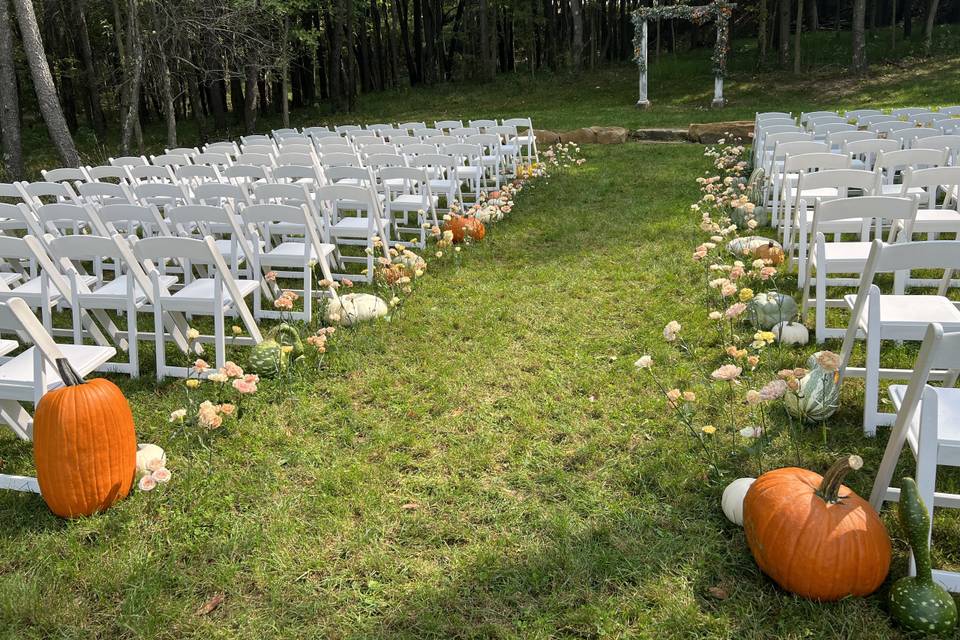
719	12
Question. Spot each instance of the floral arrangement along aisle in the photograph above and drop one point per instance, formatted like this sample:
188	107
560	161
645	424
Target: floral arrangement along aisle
214	398
754	322
754	393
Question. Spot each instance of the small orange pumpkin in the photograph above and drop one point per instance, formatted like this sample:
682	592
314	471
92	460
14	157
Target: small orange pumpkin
475	229
458	226
815	537
770	253
463	226
84	445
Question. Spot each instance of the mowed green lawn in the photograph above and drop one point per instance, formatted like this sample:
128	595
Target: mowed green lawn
488	465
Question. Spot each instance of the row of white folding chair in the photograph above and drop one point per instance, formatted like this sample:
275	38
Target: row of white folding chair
863	152
926	421
828	261
834	181
897	316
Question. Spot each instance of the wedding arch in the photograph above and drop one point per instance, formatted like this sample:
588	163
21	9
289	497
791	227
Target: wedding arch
718	11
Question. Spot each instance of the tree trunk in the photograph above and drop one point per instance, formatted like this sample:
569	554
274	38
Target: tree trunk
859	37
285	75
762	31
166	90
785	32
907	19
43	83
797	38
196	104
813	16
9	100
132	77
576	12
932	6
99	122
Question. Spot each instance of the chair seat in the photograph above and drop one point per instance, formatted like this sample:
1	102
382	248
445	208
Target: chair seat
114	293
17	374
843	257
6	346
227	248
825	192
9	278
30	291
197	296
410	201
942	220
910	314
353	226
948	414
897	189
290	254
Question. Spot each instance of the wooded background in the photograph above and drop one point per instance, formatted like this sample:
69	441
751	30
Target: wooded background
222	63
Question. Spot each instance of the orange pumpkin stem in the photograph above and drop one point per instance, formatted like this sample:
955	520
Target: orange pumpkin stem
68	374
829	489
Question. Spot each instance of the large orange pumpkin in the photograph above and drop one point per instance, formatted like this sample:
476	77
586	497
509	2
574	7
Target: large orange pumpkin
462	226
814	536
84	444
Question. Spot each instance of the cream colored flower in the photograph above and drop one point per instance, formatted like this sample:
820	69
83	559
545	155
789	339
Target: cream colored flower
727	373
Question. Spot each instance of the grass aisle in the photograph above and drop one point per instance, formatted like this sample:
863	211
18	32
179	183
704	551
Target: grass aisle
489	465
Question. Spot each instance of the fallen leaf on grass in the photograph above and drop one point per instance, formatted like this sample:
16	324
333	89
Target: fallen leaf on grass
210	605
718	592
410	506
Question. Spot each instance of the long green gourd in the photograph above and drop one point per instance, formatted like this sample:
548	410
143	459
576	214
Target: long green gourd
919	603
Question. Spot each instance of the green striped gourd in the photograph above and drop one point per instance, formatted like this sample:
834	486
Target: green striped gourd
268	358
818	397
919	603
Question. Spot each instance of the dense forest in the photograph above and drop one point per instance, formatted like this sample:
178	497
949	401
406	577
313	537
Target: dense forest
119	63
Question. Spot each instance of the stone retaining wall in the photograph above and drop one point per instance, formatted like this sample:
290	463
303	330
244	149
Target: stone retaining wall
708	133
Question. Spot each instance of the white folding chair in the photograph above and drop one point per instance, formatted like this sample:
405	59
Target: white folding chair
526	138
947	143
108	173
896	316
213	292
827	259
28	376
926	420
442	170
893	164
162	174
784	195
65	174
407	194
819	186
361	229
863	153
293	256
129	292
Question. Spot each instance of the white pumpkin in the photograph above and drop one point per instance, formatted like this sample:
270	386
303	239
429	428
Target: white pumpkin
745	246
789	332
352	308
146	455
732	500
